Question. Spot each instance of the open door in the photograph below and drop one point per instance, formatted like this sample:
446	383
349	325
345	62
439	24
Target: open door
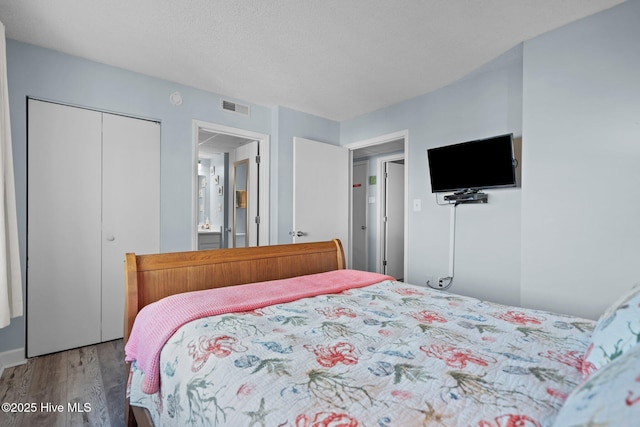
320	192
245	218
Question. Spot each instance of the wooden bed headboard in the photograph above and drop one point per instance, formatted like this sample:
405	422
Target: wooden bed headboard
149	278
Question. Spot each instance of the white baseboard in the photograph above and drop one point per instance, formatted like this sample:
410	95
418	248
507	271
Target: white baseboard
11	358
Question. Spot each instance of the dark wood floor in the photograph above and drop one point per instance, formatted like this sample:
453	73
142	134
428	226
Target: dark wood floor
88	382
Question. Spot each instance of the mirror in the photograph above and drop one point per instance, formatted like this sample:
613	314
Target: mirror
203	200
240	205
210	201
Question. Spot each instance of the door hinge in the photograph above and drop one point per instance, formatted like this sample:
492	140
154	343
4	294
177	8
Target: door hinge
257	220
385	219
258	159
384	263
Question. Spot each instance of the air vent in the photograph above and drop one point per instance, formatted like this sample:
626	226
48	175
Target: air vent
234	107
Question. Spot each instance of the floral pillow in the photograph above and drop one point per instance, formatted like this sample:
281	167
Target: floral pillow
610	397
617	331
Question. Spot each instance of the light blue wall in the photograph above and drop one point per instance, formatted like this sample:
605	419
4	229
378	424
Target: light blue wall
581	124
567	240
46	74
487	103
577	108
50	75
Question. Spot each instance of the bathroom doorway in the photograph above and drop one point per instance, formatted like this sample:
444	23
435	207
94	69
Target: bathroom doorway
231	187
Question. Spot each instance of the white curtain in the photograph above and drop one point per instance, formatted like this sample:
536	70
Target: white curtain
10	275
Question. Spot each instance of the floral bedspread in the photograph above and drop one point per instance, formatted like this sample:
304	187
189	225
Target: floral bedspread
390	354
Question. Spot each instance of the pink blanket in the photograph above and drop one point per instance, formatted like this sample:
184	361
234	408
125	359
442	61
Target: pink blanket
156	322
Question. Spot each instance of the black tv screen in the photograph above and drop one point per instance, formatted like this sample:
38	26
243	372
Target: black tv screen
473	165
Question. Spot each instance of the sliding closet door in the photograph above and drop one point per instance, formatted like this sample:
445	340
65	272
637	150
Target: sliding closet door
63	220
130	209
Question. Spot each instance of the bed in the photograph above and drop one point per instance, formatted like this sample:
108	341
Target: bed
286	336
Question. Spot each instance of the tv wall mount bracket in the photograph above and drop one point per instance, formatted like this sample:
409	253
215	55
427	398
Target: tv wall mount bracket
469	196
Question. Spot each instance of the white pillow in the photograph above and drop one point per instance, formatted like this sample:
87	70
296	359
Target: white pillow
610	397
617	331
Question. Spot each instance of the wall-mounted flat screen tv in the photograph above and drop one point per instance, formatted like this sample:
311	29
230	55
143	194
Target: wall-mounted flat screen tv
473	165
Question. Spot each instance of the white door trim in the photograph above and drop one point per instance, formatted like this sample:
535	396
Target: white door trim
381	139
264	142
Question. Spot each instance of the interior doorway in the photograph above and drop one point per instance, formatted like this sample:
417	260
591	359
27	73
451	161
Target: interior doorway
375	152
231	187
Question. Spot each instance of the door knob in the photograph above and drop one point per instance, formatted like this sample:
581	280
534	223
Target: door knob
111	237
364	227
297	233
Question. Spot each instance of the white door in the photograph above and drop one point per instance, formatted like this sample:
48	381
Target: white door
244	196
393	263
359	230
320	192
63	219
130	206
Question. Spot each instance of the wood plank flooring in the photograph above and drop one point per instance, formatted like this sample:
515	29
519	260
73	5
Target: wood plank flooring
89	383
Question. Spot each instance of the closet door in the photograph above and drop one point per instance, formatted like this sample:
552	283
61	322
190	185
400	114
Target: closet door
130	207
93	195
63	221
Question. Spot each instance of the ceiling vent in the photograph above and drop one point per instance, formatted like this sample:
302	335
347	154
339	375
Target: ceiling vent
234	107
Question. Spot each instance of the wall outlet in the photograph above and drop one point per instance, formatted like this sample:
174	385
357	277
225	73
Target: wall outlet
441	282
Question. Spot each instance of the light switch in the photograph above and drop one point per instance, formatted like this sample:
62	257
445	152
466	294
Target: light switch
417	205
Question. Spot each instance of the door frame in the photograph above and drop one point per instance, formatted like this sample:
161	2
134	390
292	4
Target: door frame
264	143
381	139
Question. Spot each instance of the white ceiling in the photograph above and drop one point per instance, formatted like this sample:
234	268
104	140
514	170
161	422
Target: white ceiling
333	58
374	150
212	143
